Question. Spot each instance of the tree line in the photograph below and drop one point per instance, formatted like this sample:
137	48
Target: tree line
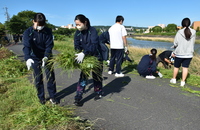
20	22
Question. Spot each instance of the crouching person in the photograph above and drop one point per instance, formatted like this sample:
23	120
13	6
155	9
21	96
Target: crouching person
147	65
38	44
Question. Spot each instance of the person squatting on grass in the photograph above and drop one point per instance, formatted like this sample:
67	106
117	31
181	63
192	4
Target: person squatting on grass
118	45
166	58
147	65
86	42
184	47
38	44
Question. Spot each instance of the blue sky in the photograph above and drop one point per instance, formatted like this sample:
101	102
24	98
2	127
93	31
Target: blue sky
140	13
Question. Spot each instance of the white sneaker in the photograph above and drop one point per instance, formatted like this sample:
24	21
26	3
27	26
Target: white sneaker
182	83
150	77
173	81
119	75
110	72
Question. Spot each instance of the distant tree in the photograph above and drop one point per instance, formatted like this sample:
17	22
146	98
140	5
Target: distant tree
150	30
157	29
20	22
64	31
171	28
198	29
2	30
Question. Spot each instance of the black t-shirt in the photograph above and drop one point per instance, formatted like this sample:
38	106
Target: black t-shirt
165	54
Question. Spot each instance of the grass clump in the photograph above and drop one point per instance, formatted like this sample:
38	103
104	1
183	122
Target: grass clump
66	59
20	108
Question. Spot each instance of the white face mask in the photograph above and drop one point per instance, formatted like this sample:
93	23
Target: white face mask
40	27
80	28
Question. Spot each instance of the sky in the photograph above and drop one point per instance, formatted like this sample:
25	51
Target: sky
139	13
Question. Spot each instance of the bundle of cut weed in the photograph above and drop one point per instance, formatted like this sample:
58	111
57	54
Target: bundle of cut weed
11	68
66	61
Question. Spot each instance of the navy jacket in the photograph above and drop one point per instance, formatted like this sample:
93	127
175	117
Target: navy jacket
87	41
104	38
146	65
37	44
165	54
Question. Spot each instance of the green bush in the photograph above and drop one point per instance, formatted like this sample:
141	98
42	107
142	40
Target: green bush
59	37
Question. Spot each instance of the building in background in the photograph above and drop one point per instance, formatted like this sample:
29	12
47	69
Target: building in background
69	26
195	25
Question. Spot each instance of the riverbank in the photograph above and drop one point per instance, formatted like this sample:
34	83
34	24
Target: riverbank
159	38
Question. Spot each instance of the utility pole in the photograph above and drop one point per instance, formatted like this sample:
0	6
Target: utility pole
6	14
7	19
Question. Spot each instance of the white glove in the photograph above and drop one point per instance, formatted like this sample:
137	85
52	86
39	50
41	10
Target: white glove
160	75
125	49
29	63
80	57
44	60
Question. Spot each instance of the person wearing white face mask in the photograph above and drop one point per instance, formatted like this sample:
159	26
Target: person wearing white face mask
86	42
38	44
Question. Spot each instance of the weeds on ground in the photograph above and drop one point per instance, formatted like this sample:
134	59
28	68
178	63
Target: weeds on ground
20	108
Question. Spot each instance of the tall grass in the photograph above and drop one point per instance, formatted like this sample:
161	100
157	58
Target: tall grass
20	108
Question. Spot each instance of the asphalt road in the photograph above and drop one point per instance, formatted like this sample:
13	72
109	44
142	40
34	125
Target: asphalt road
131	102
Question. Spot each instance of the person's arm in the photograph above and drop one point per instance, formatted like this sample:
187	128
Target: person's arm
93	41
124	41
27	45
176	40
167	60
124	33
49	44
77	42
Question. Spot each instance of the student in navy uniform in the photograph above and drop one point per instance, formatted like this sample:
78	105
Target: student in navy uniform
38	44
147	65
104	39
165	58
86	41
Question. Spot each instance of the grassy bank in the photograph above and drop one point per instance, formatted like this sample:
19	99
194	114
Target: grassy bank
160	39
20	108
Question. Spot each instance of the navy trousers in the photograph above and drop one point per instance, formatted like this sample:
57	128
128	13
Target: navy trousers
117	56
38	80
97	82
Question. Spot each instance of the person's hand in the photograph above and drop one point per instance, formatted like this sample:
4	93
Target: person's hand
44	60
125	49
127	52
29	63
80	57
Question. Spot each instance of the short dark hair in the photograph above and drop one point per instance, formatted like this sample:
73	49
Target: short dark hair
186	23
40	19
119	18
82	19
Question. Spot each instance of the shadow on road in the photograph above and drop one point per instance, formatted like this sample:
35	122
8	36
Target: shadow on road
115	86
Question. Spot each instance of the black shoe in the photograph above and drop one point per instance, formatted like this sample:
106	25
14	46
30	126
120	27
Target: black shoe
42	102
97	97
78	103
53	101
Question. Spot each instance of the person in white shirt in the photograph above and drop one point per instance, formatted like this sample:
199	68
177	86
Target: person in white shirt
118	45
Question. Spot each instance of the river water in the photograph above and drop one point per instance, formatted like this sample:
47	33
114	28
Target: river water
155	44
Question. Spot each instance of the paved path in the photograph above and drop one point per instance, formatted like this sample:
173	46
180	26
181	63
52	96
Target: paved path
131	102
